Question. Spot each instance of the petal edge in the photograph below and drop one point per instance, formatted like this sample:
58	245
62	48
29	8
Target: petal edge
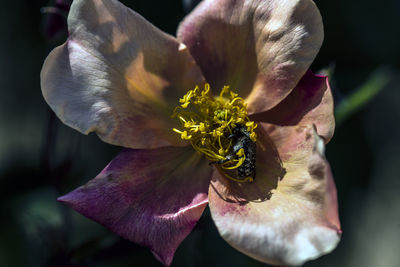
299	222
150	197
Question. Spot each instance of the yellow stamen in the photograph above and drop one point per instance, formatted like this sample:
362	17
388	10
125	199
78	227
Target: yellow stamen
208	122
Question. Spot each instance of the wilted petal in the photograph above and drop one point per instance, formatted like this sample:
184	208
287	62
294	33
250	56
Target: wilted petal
295	219
311	102
118	75
261	48
151	197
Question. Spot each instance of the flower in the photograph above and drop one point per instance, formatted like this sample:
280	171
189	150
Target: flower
121	77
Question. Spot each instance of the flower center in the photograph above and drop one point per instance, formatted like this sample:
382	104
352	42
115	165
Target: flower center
219	128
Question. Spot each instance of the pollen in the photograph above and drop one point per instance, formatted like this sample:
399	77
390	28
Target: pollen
208	123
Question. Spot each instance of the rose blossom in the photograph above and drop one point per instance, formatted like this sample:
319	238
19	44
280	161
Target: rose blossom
160	97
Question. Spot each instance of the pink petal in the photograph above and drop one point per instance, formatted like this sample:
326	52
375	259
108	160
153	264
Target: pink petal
311	102
118	76
294	217
260	48
151	197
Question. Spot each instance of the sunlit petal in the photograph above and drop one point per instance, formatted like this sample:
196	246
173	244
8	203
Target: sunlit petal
118	76
261	48
295	218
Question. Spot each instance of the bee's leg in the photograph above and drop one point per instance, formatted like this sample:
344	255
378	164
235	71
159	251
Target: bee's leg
236	148
222	161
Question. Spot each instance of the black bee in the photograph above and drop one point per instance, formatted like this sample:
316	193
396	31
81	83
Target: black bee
241	139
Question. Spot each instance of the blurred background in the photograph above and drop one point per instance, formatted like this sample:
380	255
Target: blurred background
41	159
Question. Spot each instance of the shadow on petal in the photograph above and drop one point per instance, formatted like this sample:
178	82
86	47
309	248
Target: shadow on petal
263	47
299	221
311	102
269	172
218	54
118	75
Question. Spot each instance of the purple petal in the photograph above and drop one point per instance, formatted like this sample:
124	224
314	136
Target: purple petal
311	102
151	197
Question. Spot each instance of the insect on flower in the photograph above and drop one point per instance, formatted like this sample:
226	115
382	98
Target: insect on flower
232	89
242	145
220	129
